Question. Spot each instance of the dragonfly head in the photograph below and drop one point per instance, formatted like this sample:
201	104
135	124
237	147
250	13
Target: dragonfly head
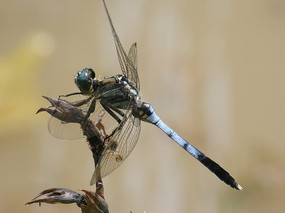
84	80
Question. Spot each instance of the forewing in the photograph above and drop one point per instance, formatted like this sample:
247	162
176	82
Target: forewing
119	147
128	65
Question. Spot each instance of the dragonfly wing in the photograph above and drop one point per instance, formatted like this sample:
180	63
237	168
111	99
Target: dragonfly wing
128	63
120	50
132	66
66	126
119	147
63	130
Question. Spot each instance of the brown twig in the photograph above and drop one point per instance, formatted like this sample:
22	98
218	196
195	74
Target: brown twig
89	202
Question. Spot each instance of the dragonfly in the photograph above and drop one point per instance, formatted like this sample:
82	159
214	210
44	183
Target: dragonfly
119	96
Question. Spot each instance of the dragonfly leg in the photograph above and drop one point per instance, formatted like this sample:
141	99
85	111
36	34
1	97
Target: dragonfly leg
116	129
76	104
91	109
108	109
108	105
71	94
82	102
120	112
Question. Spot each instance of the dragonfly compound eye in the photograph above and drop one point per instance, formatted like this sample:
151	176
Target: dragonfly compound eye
84	80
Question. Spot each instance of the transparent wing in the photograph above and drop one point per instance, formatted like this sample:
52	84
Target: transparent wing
133	56
67	130
132	66
70	130
128	63
60	129
119	147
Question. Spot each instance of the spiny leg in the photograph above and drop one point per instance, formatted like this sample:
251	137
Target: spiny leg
120	112
107	108
109	103
76	104
71	94
91	109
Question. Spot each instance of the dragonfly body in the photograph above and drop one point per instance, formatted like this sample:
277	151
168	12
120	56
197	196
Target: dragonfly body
119	97
148	114
115	91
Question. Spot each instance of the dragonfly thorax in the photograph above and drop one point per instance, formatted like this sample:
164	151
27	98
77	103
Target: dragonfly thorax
84	80
115	91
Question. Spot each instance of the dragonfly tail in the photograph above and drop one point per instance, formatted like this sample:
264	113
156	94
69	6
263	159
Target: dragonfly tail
148	114
222	174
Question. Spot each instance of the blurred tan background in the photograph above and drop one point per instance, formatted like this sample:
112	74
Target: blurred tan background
213	70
